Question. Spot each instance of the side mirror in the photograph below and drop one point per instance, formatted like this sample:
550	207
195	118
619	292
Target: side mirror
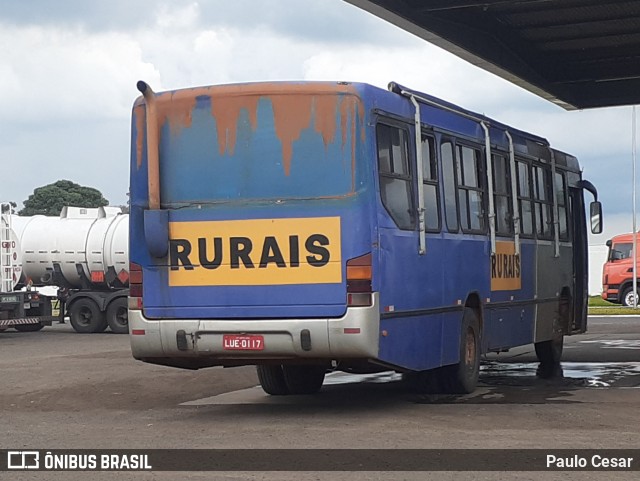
596	217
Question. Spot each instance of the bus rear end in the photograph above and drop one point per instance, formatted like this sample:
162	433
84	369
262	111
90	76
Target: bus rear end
250	230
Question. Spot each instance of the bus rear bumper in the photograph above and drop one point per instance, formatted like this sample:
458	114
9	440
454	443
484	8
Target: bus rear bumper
199	343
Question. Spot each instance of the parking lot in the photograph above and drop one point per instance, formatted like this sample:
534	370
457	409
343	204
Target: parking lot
61	389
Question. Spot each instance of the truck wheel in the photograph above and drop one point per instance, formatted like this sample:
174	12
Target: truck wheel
549	353
272	380
461	378
627	297
29	327
304	379
86	317
118	316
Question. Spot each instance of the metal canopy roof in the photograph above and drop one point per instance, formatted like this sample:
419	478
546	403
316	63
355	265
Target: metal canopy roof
575	53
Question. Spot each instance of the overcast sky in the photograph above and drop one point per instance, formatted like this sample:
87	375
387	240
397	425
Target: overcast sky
68	72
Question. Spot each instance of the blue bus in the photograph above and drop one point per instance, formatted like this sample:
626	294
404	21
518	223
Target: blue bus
304	227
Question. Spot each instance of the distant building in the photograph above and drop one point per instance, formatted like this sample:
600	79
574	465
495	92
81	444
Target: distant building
597	258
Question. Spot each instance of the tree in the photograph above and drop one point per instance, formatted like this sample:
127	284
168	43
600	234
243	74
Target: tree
12	207
50	199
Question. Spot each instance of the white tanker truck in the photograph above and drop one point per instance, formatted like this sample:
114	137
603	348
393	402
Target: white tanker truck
84	253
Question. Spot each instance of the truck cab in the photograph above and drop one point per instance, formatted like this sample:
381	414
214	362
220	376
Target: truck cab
617	272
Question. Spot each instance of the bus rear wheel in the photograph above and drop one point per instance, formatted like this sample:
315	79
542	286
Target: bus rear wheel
549	352
304	379
423	382
461	378
271	379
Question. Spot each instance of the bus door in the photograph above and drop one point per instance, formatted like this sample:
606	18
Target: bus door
410	280
506	325
580	269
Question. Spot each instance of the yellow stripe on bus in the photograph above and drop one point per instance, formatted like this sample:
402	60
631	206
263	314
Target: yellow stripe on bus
255	252
506	273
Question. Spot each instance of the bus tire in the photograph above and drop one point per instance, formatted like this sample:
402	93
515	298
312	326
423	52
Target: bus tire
118	316
29	327
304	379
272	381
461	378
627	297
423	382
86	317
549	352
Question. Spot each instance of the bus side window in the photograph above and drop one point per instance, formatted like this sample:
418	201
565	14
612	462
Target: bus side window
470	194
543	201
561	194
524	199
448	175
430	185
502	195
395	177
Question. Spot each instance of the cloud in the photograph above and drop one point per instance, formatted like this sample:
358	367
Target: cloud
68	73
94	15
326	21
57	75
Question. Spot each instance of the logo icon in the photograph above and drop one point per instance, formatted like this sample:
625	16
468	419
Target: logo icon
23	460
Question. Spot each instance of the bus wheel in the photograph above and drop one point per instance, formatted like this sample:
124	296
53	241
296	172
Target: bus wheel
549	353
86	317
462	378
118	316
272	380
304	379
29	327
627	297
423	382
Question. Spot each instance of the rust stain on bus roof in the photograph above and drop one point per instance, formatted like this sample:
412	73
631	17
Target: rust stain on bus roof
140	115
226	111
294	106
349	107
177	110
325	108
291	115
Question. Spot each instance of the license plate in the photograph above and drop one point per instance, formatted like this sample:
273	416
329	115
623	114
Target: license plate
233	342
9	299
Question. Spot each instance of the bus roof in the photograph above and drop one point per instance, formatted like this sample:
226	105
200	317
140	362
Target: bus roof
526	143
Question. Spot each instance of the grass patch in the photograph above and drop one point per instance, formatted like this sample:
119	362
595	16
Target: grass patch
599	307
597	301
613	311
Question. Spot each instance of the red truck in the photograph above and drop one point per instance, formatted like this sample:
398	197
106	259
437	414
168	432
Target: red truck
617	272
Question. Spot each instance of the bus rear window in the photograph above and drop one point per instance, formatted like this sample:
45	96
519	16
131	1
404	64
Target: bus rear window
256	149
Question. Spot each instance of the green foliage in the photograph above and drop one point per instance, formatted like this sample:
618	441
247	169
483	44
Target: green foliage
11	207
50	199
599	307
598	301
613	311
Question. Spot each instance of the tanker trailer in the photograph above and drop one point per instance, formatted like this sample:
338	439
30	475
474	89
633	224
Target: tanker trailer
23	309
84	252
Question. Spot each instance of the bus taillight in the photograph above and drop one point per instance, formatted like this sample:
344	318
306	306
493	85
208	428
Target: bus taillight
135	286
359	281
